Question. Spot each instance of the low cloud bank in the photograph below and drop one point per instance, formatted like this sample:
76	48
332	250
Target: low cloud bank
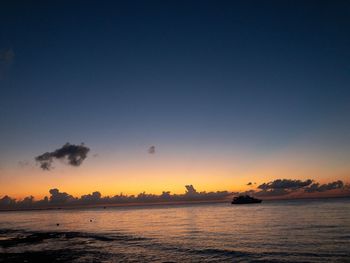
280	188
316	187
75	154
64	199
289	187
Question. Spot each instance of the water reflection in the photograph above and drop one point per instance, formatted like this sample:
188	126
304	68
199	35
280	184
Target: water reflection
292	230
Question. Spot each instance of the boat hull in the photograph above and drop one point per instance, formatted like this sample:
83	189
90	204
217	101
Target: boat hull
246	203
245	199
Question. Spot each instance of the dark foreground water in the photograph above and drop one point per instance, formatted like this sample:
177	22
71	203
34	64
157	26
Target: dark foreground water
275	231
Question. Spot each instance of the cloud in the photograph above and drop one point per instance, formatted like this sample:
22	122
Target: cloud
152	150
286	184
273	189
250	183
285	187
75	154
316	187
190	190
58	197
93	198
63	199
7	201
27	201
281	187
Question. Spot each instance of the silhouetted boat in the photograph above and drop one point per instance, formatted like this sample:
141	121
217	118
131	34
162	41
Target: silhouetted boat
245	199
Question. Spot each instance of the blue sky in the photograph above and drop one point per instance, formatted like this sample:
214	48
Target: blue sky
180	74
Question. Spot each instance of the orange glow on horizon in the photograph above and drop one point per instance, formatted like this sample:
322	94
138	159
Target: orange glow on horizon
169	172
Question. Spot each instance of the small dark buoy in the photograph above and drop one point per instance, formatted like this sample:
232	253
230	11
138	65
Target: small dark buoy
57	224
90	220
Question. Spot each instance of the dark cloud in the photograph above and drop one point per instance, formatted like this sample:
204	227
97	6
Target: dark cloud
58	197
286	184
316	187
62	199
75	154
250	183
281	187
27	201
277	188
93	198
7	201
152	150
284	187
190	190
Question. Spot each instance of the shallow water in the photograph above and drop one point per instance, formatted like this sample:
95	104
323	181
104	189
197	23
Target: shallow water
274	231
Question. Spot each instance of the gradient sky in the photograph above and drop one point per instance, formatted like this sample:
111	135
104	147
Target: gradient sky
227	91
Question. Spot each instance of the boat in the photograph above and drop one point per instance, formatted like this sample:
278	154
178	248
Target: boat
245	199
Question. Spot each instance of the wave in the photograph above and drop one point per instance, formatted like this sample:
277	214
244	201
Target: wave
91	247
16	236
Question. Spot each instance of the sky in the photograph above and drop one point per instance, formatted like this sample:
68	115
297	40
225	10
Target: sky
169	93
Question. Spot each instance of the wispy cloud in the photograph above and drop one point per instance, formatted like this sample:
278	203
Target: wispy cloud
23	164
151	150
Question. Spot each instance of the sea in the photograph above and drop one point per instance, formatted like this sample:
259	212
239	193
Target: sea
273	231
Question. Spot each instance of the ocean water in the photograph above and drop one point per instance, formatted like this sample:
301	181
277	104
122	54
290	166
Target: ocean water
274	231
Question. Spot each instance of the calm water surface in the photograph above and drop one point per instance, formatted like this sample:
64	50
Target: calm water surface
274	231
